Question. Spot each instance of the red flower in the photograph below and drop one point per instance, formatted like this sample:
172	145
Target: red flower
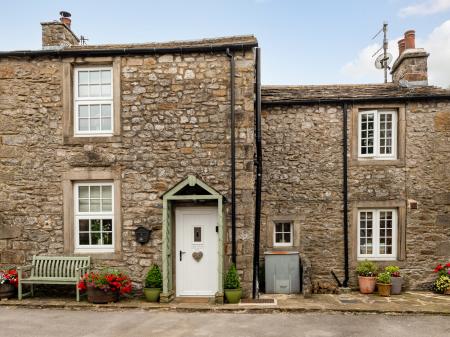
438	268
448	265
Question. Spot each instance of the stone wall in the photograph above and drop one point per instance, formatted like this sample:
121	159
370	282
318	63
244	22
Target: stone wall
303	180
175	117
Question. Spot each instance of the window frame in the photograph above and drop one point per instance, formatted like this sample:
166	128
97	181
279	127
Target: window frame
376	139
77	100
291	231
77	215
376	256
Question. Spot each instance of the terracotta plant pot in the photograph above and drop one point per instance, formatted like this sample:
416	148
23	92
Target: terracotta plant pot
397	283
384	289
152	294
99	296
447	291
367	284
233	296
7	290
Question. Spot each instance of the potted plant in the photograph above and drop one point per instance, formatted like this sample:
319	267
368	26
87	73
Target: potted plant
8	282
367	271
153	284
233	291
442	283
105	286
396	279
384	284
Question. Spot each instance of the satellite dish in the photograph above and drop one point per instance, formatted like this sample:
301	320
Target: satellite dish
380	62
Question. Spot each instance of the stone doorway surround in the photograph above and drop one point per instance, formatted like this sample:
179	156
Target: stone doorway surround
169	198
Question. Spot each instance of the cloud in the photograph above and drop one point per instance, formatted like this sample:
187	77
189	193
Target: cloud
437	43
362	68
425	8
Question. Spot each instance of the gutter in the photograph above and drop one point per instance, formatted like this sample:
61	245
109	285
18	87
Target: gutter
131	51
233	156
354	100
258	178
345	190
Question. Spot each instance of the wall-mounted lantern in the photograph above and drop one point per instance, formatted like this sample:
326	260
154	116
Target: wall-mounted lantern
142	235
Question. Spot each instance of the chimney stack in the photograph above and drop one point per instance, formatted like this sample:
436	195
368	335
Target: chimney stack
57	34
410	69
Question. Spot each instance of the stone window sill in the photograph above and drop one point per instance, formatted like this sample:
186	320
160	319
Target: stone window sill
90	140
101	256
375	162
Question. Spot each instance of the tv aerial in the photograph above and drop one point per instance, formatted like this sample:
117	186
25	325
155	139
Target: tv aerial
384	59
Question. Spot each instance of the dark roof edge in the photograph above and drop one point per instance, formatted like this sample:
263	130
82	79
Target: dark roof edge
132	51
354	100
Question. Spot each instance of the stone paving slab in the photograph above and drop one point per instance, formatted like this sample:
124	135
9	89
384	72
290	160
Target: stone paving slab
406	303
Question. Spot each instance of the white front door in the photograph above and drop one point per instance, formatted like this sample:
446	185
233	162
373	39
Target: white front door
196	251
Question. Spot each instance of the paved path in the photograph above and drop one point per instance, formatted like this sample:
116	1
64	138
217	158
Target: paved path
18	322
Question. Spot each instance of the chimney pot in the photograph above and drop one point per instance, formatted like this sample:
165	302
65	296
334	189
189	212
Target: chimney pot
65	18
410	39
401	46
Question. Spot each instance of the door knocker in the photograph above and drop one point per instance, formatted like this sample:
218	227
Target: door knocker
197	256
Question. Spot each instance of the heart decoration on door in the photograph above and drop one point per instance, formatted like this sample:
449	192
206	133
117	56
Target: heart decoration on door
197	256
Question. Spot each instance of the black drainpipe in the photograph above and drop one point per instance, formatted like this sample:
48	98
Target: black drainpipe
233	158
345	190
258	178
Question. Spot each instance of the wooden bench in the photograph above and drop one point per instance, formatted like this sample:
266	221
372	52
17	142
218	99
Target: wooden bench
53	270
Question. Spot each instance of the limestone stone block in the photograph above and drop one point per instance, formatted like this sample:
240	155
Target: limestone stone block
442	121
443	220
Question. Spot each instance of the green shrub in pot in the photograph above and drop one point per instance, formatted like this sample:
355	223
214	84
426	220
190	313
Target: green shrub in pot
396	279
384	284
232	285
367	271
153	284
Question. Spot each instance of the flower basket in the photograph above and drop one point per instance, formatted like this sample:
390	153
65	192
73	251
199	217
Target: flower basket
7	290
8	282
105	286
100	296
447	291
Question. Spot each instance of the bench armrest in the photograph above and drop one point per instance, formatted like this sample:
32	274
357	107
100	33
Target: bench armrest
21	269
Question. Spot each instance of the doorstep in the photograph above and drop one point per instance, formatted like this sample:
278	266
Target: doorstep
406	303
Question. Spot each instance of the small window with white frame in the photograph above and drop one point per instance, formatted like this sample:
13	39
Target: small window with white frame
94	216
93	103
377	134
282	234
377	234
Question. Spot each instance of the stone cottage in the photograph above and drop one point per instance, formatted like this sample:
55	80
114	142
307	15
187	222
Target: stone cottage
179	141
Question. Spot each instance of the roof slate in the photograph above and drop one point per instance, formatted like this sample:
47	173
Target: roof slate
296	94
228	40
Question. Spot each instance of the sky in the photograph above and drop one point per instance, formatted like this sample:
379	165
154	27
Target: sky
302	42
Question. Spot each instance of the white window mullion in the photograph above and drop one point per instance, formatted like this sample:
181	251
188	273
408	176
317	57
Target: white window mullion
376	135
376	233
